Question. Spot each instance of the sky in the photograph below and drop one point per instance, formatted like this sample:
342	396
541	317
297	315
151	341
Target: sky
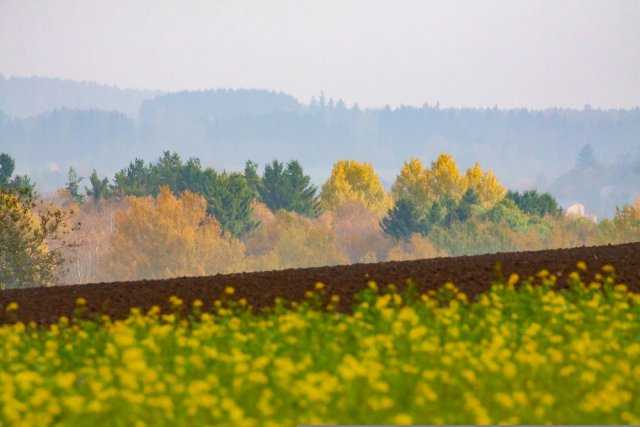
524	53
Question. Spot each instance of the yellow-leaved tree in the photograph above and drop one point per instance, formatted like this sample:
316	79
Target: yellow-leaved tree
445	179
413	183
354	181
489	190
169	236
424	185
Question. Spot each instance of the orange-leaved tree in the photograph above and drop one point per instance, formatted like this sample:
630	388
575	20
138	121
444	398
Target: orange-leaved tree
170	236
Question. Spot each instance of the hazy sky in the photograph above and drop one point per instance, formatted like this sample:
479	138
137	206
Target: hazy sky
472	53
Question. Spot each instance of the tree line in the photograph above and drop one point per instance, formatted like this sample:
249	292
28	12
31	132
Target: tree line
176	217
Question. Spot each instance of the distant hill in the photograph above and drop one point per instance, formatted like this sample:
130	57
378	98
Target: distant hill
225	127
29	96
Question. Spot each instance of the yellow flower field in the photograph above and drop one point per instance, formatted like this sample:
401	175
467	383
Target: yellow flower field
524	353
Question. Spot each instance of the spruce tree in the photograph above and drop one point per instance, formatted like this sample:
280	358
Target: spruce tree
229	199
404	220
73	186
288	188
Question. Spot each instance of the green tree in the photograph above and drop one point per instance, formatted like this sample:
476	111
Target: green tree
100	188
534	203
404	220
229	199
586	158
26	259
508	212
251	175
21	185
134	180
73	185
7	166
288	188
464	210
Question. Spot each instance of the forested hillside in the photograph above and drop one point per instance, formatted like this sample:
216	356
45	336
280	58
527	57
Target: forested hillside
225	127
30	96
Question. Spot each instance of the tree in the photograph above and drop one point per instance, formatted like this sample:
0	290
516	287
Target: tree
404	220
354	181
170	236
586	158
445	178
25	256
73	186
489	190
7	166
534	203
464	210
506	211
167	171
100	188
288	188
20	185
413	183
293	240
134	180
251	175
229	199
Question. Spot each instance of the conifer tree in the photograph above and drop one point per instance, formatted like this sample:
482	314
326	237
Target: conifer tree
73	186
288	188
404	220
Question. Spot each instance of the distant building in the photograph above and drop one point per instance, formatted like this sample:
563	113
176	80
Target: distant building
577	211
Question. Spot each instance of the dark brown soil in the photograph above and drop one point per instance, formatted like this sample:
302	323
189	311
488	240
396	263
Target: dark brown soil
472	274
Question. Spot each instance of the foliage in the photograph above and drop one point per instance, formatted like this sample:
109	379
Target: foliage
534	203
354	181
229	199
358	234
286	188
73	186
7	166
586	158
100	188
522	353
404	220
416	247
20	185
413	184
443	180
169	237
508	212
289	240
485	184
26	259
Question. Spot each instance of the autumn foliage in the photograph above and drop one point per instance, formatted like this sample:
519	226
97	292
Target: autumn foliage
175	232
169	236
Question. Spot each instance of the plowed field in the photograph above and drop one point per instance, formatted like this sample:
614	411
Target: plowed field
471	274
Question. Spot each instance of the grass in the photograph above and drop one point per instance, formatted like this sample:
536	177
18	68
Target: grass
526	352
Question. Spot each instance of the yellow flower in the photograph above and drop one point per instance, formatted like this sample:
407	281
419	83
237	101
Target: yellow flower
581	265
65	380
504	400
73	403
229	290
608	268
403	419
12	306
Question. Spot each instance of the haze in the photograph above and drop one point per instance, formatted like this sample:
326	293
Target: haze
511	54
